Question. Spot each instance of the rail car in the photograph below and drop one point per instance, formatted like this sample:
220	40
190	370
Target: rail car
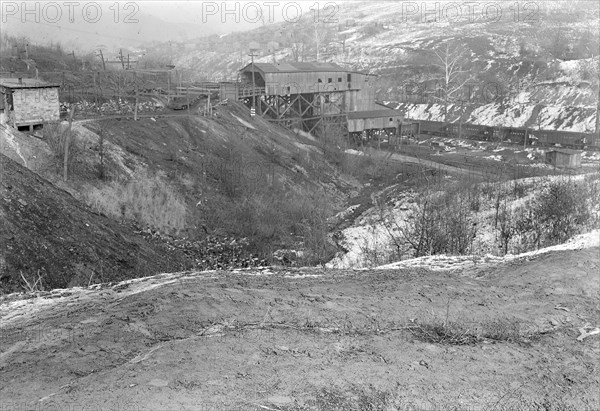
512	134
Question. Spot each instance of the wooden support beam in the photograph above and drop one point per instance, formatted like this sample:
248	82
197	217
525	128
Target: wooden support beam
317	123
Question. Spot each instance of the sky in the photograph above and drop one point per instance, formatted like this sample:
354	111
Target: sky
226	13
87	24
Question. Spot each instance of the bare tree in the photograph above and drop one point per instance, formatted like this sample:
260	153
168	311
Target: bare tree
320	34
66	145
596	64
341	39
296	40
454	76
592	68
598	100
103	128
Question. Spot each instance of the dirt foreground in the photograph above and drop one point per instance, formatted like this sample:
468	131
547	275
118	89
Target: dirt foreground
276	339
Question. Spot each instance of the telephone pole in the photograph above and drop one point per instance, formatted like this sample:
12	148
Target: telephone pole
253	80
121	58
135	112
102	57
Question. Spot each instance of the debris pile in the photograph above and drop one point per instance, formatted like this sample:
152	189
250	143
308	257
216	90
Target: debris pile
211	252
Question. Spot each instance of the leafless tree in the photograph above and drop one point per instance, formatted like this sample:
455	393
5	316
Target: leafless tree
297	41
320	34
103	128
455	75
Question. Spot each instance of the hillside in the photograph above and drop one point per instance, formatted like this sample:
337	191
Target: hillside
533	69
511	334
167	252
129	27
50	238
227	190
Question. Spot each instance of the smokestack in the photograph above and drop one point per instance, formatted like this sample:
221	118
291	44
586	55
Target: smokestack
20	80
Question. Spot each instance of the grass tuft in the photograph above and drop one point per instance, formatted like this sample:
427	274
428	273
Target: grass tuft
462	333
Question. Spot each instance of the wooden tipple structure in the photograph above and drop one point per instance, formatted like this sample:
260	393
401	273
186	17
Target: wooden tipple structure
309	96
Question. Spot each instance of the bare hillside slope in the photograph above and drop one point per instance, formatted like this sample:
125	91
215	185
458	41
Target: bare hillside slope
49	237
498	337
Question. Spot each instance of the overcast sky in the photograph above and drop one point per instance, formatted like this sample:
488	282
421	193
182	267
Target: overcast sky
87	24
225	13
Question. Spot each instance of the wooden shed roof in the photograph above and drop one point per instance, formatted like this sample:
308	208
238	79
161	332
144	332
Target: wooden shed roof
13	82
315	67
567	151
374	114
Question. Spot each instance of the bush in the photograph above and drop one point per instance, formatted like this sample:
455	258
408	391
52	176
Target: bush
55	134
562	210
146	199
273	217
441	223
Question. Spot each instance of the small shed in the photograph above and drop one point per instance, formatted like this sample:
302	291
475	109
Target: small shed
28	103
359	121
564	158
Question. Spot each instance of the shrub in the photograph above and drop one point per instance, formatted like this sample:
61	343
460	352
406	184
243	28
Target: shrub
562	209
55	134
441	222
146	198
274	217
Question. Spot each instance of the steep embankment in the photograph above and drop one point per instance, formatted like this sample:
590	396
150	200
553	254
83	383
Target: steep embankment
310	339
49	239
228	181
238	175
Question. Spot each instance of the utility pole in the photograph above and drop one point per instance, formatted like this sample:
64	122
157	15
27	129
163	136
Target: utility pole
169	84
67	140
135	111
102	57
95	87
253	80
121	58
209	106
598	112
598	103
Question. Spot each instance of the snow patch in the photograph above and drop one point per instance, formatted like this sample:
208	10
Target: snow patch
244	122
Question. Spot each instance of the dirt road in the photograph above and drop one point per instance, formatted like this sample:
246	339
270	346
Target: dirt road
311	339
433	165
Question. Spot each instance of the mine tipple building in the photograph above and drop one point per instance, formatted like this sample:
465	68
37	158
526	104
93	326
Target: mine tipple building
330	80
306	95
28	103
